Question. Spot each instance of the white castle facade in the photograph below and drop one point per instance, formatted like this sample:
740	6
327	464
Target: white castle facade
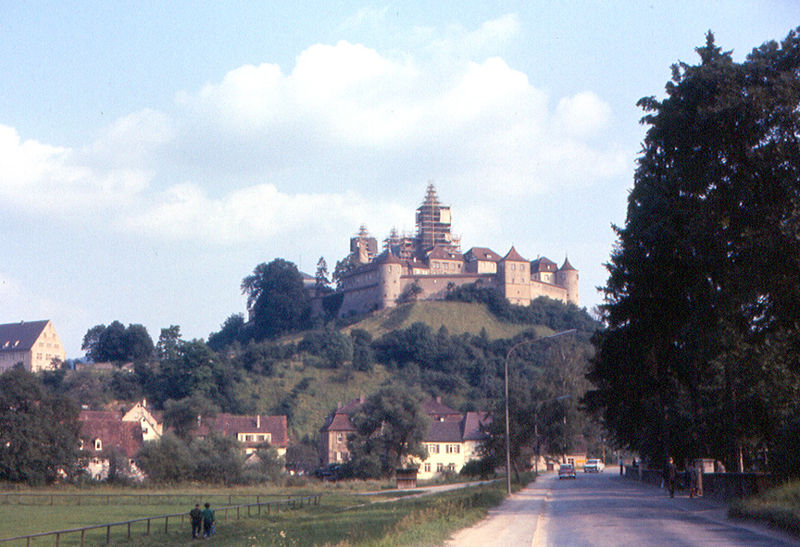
430	264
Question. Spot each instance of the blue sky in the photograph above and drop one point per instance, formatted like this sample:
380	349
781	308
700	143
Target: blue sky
152	154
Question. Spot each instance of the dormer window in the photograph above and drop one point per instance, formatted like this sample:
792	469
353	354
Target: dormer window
98	444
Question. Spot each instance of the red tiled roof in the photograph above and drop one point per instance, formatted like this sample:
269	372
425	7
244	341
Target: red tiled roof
86	415
440	253
434	407
567	265
543	264
125	437
386	257
20	336
230	425
514	256
482	253
444	432
472	425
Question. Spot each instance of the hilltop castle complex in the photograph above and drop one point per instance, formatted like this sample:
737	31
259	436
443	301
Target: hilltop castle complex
429	264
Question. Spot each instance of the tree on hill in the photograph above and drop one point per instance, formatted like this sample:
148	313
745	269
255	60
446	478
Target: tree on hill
276	299
700	354
390	427
117	343
232	330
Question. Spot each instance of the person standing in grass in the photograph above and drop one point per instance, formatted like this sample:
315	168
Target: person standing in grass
208	521
196	515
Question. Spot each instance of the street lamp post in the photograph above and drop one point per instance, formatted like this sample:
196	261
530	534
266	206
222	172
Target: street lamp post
508	355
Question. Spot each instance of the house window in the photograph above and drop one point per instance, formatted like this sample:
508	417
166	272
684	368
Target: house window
98	444
453	449
439	467
513	266
248	438
144	431
427	468
433	449
451	467
80	444
339	437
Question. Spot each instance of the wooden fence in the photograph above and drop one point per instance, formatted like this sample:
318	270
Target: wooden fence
225	512
78	498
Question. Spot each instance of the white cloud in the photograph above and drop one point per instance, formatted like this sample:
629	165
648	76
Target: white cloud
583	114
334	142
43	179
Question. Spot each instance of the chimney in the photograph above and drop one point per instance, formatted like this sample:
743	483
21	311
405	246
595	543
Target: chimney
144	403
258	421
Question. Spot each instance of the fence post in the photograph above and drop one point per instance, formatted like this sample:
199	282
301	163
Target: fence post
166	525
58	539
129	530
108	535
148	528
83	536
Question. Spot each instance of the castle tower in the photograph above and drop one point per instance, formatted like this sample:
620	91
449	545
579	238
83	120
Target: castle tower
567	277
515	278
433	225
389	271
363	247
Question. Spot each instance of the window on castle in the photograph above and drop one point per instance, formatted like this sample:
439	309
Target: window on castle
98	444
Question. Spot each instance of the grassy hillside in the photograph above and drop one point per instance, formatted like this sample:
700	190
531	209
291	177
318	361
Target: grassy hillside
307	393
458	317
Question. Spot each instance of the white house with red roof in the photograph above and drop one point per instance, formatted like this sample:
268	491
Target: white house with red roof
452	438
251	431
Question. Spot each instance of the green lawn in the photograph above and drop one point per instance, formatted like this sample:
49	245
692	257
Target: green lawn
343	517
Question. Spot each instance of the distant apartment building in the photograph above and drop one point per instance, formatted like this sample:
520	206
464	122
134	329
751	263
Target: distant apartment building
34	344
429	264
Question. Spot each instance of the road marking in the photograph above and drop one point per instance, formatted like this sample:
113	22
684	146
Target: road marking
540	536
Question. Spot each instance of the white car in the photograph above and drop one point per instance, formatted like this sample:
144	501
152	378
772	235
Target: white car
593	466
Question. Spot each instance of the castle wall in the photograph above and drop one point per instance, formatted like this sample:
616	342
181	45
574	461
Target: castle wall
555	292
434	287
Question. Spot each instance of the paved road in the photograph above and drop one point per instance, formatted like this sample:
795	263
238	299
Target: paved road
603	509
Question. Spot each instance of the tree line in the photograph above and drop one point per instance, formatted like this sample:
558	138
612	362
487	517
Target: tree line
702	304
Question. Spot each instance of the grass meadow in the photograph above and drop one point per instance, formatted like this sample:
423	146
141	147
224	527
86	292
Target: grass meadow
343	517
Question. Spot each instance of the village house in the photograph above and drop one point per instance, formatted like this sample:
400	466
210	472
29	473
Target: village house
251	431
34	344
452	439
103	436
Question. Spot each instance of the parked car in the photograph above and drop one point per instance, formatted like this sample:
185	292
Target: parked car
566	471
593	466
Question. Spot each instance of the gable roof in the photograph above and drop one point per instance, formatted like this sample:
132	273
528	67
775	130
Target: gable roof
20	336
472	425
435	407
513	256
482	254
440	253
230	425
543	264
125	437
443	432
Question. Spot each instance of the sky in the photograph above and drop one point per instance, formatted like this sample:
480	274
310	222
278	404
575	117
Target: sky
153	153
